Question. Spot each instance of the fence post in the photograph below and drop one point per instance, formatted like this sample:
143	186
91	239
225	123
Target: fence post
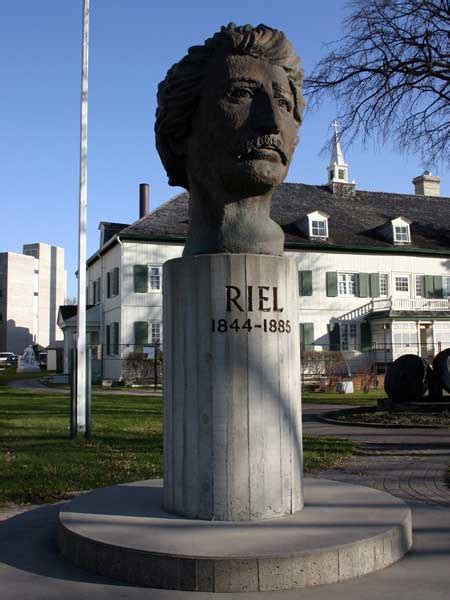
88	391
73	392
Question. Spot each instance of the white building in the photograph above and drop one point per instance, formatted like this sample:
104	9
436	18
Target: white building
374	271
32	287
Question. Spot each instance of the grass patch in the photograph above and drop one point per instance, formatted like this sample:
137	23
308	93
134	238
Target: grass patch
385	417
356	399
325	452
10	374
39	463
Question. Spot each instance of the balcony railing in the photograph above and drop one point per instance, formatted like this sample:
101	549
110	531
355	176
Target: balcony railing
411	304
388	304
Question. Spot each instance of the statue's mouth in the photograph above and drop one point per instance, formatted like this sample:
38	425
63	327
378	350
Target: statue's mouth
264	147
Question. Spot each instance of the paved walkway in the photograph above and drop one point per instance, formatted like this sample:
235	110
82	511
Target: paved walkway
409	463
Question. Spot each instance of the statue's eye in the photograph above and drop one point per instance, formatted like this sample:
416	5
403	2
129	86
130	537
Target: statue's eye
285	104
241	93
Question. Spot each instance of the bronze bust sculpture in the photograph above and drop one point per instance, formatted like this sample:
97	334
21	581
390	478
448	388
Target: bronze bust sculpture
226	129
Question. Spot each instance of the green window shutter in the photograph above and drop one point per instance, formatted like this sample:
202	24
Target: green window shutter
108	284
116	281
307	337
140	333
140	273
332	286
366	336
99	289
374	285
363	285
305	283
334	332
429	286
115	342
108	340
437	283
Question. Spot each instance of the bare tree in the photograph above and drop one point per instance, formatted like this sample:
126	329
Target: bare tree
390	75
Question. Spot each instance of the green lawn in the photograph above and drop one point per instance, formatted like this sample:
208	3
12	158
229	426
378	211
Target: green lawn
39	463
10	374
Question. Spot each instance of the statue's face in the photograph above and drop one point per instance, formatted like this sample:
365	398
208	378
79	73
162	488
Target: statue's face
244	132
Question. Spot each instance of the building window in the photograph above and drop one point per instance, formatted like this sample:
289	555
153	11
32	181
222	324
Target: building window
96	291
419	286
348	336
147	278
112	283
112	339
341	174
154	275
401	233
405	336
115	282
384	284
319	229
348	284
446	287
402	283
155	333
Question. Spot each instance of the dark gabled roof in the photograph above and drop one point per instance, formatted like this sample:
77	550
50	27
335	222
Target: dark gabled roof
68	311
110	229
353	221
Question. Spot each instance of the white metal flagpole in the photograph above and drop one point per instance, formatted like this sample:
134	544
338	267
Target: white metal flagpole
81	318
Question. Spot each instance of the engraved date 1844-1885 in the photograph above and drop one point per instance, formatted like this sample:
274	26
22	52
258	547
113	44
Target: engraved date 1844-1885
261	298
267	325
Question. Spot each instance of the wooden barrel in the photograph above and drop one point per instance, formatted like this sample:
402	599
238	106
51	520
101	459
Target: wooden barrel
407	379
441	369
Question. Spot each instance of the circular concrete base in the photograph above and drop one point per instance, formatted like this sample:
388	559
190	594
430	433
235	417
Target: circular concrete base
344	531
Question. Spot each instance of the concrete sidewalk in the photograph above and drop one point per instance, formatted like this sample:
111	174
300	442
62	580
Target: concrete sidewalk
407	463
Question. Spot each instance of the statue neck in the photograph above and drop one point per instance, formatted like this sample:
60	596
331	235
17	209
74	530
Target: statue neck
227	224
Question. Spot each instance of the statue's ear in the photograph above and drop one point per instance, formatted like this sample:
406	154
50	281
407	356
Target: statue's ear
178	146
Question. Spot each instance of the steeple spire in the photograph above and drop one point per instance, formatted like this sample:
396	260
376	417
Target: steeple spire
338	168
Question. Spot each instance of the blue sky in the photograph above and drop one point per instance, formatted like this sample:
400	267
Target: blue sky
132	44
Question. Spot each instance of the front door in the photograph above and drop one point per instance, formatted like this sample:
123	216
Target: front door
426	341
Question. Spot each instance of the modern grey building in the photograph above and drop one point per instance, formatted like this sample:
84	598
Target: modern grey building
32	287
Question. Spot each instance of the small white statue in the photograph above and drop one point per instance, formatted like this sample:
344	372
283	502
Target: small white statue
27	362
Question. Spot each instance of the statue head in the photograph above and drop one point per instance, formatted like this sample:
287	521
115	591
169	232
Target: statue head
180	94
226	129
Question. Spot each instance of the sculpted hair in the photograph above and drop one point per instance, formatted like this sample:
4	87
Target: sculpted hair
179	94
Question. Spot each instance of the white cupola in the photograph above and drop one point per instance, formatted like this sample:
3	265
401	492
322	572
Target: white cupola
338	168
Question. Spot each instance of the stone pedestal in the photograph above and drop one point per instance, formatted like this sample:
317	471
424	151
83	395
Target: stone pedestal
232	406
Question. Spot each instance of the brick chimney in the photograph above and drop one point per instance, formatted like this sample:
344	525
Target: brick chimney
427	184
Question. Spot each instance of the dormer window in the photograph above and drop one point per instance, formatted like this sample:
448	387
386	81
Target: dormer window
318	225
319	229
401	231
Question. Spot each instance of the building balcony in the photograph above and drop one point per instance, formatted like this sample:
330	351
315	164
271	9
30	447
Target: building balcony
411	304
391	307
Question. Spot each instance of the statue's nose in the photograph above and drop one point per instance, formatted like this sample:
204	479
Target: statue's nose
266	115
